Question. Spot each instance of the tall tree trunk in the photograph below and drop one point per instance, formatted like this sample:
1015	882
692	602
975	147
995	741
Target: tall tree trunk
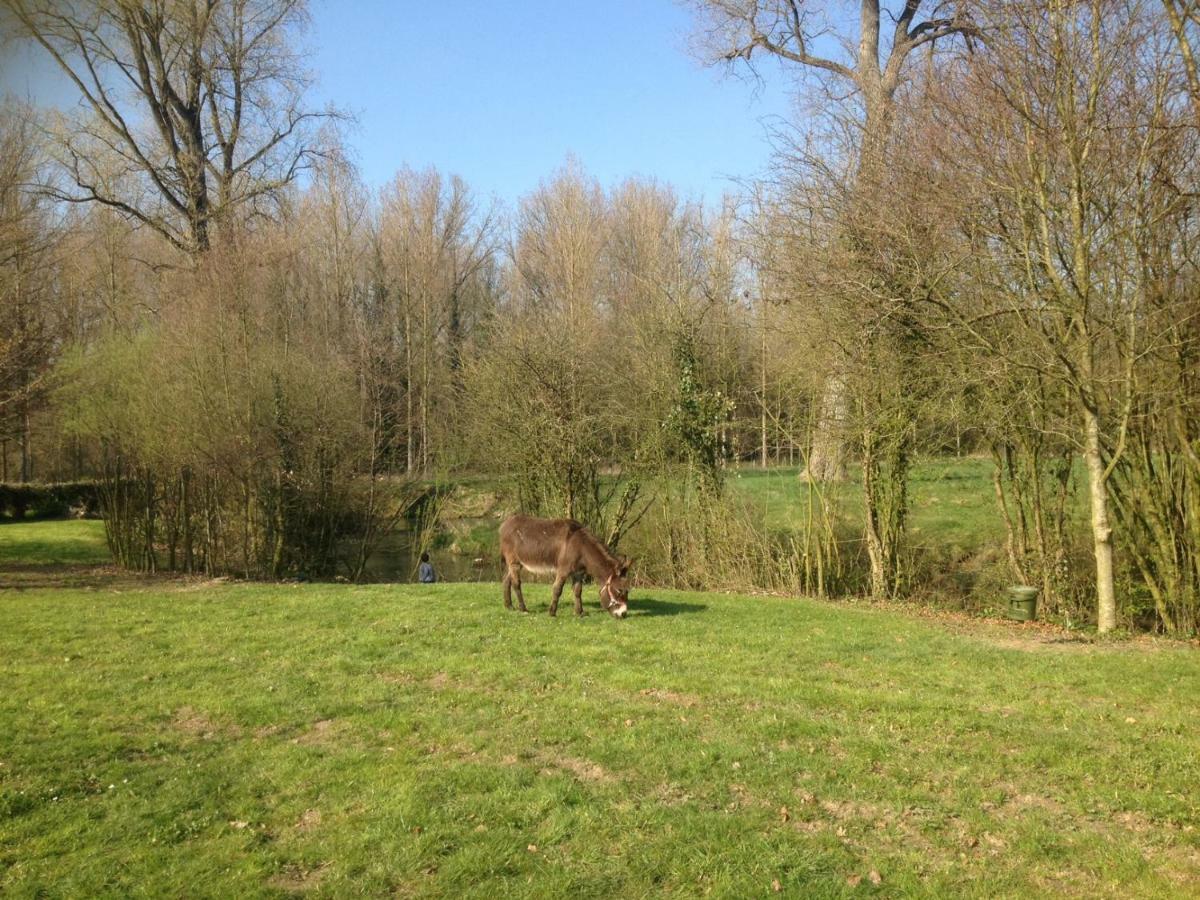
426	338
26	443
1102	542
827	457
764	396
876	555
408	392
189	562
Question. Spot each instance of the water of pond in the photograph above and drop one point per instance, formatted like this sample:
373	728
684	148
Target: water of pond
395	559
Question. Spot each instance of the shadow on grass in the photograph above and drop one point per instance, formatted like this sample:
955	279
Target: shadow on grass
647	606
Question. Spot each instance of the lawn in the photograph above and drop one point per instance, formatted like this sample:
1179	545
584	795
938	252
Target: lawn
175	737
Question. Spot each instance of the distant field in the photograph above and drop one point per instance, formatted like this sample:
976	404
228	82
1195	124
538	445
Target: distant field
74	542
951	500
171	738
952	503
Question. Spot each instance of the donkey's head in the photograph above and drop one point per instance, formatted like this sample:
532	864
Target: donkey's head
614	591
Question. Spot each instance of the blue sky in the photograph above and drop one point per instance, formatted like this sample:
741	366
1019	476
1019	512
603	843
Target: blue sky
503	93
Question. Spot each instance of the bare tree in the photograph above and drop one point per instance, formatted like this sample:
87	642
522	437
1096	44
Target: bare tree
1073	129
27	331
436	246
795	31
191	112
808	37
1184	19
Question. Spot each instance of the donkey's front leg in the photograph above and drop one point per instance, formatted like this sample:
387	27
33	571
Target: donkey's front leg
559	581
578	588
507	582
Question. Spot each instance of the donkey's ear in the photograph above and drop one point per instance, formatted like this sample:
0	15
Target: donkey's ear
625	563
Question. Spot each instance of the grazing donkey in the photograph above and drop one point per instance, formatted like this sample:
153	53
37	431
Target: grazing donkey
567	549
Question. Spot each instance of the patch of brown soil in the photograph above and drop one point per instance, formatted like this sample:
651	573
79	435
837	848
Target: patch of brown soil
1029	636
310	820
295	879
582	769
193	584
395	677
1019	804
671	795
678	699
320	732
197	724
847	819
1135	822
28	577
1180	864
849	810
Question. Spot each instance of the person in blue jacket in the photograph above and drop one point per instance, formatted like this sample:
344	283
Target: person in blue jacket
425	573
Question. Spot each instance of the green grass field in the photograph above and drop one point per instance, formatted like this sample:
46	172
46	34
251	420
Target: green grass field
188	738
951	501
46	543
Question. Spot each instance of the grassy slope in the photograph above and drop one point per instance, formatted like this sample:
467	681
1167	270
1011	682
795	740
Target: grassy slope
185	738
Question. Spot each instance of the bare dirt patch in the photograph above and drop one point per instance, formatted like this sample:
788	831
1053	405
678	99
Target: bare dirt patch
671	795
193	584
1039	636
198	724
309	820
396	677
295	879
582	769
848	810
108	578
77	577
1019	804
1136	822
1178	863
674	697
321	732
